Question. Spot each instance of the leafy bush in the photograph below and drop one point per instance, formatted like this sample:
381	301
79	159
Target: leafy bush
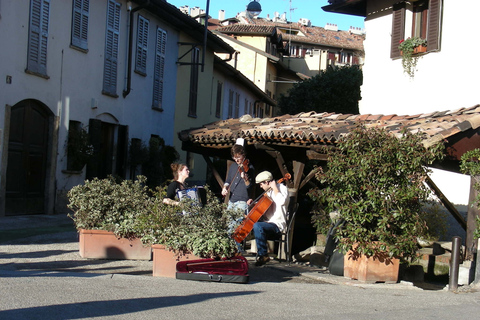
376	182
105	204
203	232
470	164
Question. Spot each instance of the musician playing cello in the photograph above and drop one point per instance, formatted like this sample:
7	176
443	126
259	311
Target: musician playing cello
273	222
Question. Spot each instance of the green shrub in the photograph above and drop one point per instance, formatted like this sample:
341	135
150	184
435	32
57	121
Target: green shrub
203	231
376	181
470	164
105	204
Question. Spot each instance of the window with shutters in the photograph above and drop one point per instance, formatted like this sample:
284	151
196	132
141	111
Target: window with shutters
230	104
422	18
80	24
159	69
237	104
192	105
112	39
218	109
142	46
38	37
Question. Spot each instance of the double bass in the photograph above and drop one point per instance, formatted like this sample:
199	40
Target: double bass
261	205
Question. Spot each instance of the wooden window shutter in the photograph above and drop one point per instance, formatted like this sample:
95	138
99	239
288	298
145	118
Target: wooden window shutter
159	69
111	48
434	25
142	45
80	23
398	29
38	36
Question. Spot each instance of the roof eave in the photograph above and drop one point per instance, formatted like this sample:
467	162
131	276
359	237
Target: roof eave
350	7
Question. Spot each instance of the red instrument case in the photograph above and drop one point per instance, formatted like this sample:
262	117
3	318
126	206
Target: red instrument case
233	269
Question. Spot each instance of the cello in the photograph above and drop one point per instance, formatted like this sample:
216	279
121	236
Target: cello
261	205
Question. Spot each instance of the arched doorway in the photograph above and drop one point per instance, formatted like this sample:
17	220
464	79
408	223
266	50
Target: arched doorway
27	159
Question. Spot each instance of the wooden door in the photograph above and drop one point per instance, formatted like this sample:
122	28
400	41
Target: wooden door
27	159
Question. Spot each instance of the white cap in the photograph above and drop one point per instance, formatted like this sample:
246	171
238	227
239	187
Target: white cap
263	176
240	141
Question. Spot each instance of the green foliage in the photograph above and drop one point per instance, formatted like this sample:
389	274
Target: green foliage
409	61
130	210
108	205
435	220
79	148
333	90
470	164
375	181
203	231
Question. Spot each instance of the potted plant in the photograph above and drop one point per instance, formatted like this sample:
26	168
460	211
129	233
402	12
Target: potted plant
408	48
375	181
174	236
105	213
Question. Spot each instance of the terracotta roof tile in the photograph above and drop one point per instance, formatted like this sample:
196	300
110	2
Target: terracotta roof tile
310	128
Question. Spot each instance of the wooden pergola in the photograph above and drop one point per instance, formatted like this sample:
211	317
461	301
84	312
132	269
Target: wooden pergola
292	143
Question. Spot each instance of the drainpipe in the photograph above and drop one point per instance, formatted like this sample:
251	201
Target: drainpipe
126	92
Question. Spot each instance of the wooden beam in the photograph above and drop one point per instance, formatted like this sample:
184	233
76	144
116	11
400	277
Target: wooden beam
450	207
313	155
214	170
309	177
472	214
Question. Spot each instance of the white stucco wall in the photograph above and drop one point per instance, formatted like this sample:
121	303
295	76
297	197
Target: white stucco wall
445	80
73	90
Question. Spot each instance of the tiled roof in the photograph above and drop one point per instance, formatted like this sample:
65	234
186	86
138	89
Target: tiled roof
247	29
310	130
313	35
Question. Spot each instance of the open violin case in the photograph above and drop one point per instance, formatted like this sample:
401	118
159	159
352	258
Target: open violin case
234	269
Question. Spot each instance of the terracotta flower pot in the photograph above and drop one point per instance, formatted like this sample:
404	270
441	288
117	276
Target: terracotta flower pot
420	49
378	268
165	261
100	244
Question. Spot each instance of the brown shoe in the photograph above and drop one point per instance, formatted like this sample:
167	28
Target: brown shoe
262	260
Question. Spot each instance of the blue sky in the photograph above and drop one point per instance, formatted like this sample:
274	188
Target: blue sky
310	9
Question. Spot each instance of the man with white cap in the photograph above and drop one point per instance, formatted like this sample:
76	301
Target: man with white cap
273	222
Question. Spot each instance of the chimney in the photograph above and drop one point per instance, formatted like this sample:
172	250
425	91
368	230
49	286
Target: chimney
185	9
221	15
331	27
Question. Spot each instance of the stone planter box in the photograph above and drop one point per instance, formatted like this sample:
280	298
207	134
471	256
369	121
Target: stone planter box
165	261
100	244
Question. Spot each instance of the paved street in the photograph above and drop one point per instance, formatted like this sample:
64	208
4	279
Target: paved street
43	277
